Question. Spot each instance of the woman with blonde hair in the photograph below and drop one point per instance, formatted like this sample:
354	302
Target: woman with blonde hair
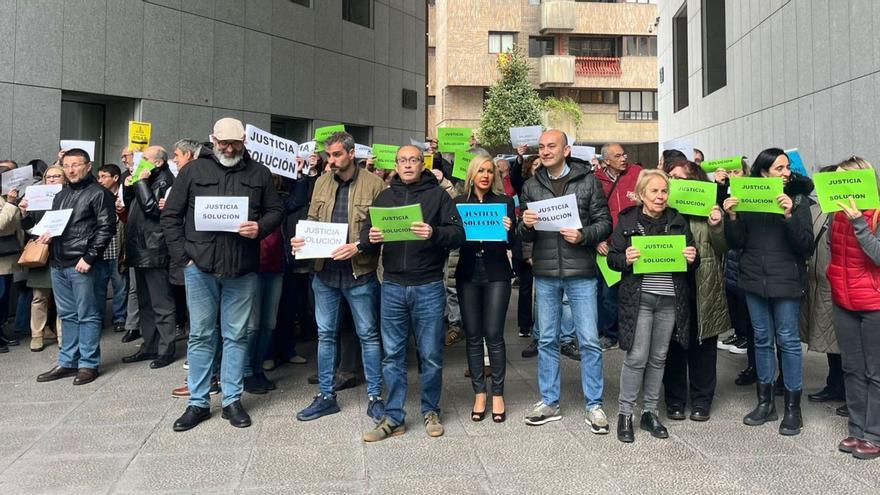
854	275
38	278
483	281
654	307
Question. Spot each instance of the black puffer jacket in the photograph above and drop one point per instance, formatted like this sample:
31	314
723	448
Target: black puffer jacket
145	245
225	254
774	249
91	226
418	262
630	290
553	256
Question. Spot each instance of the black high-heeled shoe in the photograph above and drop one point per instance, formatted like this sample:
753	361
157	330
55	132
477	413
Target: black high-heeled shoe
499	417
476	417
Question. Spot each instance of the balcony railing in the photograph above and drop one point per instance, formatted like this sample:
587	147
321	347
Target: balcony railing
598	66
637	115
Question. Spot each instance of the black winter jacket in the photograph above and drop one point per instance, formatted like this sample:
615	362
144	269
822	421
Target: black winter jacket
630	290
418	262
145	245
225	254
91	226
494	254
775	250
553	256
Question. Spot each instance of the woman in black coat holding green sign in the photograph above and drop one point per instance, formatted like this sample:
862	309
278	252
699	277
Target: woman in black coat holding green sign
691	371
652	305
773	275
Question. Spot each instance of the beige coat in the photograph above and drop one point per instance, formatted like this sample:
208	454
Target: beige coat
817	327
10	223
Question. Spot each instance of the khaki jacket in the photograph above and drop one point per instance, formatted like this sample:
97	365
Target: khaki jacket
362	192
10	223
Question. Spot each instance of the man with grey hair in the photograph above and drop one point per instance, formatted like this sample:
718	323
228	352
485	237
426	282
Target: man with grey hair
185	151
147	253
345	196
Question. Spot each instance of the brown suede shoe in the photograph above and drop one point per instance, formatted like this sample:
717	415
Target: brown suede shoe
85	375
56	373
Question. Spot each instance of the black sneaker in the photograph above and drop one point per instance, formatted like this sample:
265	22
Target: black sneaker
253	385
321	406
530	351
180	332
608	344
265	381
746	377
191	418
741	346
727	343
571	351
525	332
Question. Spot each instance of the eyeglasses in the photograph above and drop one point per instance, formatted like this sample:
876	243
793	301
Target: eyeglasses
72	165
228	144
55	176
413	160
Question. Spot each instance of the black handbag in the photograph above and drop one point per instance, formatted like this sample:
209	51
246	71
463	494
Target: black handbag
9	244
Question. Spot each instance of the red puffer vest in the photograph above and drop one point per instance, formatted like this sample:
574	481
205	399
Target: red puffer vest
854	278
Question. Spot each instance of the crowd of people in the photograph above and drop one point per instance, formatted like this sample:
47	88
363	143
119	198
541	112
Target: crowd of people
246	299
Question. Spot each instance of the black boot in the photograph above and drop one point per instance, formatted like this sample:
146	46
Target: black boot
766	409
625	428
792	422
651	423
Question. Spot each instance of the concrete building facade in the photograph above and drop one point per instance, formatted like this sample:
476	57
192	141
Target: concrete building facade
782	73
602	54
81	69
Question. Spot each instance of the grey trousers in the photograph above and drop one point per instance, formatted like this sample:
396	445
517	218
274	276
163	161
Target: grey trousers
858	335
132	318
156	310
645	362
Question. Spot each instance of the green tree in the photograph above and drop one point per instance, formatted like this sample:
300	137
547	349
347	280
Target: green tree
512	102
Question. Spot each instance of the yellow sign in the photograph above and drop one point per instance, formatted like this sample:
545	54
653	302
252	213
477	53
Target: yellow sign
429	162
138	135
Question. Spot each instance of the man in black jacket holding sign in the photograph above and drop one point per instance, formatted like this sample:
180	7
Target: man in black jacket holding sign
219	267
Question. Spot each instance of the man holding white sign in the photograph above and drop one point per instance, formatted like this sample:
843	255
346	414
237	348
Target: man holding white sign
566	265
344	197
78	267
220	267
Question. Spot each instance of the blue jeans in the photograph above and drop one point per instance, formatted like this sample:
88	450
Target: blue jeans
364	303
419	307
79	298
5	290
582	294
23	308
233	297
608	310
262	321
567	333
779	318
120	296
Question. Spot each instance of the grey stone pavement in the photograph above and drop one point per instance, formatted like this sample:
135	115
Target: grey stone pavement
115	436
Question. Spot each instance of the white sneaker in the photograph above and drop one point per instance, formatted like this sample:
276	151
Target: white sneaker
598	421
542	414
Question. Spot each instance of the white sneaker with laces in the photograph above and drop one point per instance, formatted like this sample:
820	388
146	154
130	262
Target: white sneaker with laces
597	420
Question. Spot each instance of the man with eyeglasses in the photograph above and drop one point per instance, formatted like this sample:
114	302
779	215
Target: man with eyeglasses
78	268
344	196
219	267
413	294
618	180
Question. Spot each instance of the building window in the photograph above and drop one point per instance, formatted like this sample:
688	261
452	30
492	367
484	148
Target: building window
304	3
680	59
593	47
358	12
545	93
289	128
541	45
637	105
597	96
714	47
639	46
501	42
432	100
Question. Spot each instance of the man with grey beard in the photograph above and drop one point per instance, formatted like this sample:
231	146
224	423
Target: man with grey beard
219	266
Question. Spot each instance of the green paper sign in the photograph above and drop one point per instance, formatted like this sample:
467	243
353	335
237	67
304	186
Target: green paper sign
732	163
322	133
396	223
756	194
144	164
610	276
461	164
450	139
659	254
834	187
386	155
692	197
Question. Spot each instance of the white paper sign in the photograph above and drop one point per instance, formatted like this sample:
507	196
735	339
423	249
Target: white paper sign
87	146
585	153
306	149
362	151
172	166
569	139
40	197
321	238
276	153
16	178
557	213
53	222
220	213
136	158
529	136
685	145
